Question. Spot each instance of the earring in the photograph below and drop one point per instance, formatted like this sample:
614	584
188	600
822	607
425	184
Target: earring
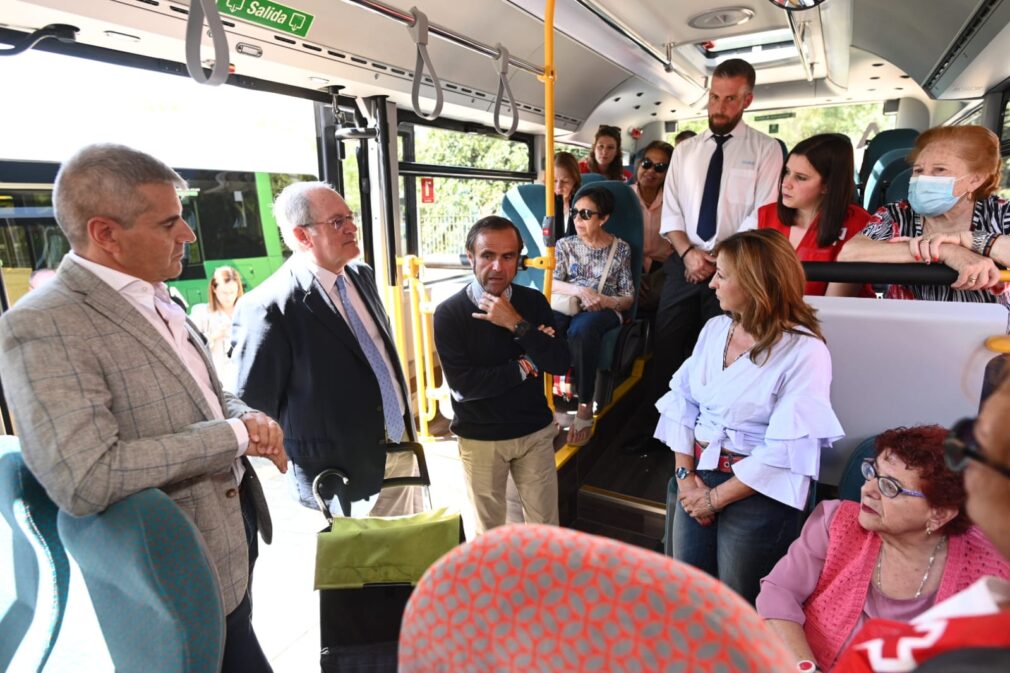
929	529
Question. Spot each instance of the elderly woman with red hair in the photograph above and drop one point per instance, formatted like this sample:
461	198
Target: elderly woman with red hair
906	545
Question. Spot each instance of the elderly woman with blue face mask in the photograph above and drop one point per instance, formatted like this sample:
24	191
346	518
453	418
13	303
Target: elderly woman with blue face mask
952	216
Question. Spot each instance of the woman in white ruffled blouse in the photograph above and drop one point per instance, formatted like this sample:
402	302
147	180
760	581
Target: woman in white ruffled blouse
748	414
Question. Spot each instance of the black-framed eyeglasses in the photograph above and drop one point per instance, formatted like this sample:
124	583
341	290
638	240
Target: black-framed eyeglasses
338	222
960	446
659	167
585	214
888	486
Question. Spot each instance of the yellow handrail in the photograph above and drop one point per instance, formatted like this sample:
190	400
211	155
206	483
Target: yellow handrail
548	80
422	331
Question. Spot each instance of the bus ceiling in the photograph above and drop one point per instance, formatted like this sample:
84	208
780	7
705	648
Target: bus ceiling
623	63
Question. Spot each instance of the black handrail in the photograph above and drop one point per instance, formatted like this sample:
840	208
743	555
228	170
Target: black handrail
879	273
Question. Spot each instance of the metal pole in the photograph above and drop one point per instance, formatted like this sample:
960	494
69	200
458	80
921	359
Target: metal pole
386	188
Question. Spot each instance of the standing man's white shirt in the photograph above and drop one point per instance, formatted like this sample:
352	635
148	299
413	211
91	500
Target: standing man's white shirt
752	166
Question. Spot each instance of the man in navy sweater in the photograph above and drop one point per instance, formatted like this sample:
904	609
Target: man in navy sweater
494	340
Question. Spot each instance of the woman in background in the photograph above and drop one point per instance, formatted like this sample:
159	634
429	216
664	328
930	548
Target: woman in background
567	181
213	319
605	158
815	209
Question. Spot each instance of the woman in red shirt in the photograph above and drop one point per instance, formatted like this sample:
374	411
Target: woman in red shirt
815	209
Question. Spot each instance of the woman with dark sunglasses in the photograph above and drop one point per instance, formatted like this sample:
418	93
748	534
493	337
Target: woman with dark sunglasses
656	248
815	209
906	545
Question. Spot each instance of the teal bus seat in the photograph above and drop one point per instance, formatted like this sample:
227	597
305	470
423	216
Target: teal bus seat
898	189
883	174
525	205
588	178
37	553
883	142
153	587
851	481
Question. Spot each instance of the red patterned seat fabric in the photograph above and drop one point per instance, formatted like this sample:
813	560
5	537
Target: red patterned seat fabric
541	598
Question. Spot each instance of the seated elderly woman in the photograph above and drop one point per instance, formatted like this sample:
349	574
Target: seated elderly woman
952	216
979	616
593	286
906	545
748	415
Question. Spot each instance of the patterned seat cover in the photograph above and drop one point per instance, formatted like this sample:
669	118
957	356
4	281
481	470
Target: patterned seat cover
540	598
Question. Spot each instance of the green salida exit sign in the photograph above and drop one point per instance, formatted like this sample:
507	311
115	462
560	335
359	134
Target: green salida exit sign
270	14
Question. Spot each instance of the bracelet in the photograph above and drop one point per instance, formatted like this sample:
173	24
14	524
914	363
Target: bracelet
981	241
689	248
988	244
708	501
806	666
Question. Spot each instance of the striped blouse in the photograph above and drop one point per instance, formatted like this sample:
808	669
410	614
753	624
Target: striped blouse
991	214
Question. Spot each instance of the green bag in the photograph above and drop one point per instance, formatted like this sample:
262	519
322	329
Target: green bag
383	550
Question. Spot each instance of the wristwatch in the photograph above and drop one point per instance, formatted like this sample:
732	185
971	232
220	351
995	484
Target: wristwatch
521	328
683	473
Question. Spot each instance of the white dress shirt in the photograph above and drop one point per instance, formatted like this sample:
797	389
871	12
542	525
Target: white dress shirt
141	295
752	166
778	414
328	280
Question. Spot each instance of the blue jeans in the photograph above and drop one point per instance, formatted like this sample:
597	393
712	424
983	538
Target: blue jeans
747	539
584	332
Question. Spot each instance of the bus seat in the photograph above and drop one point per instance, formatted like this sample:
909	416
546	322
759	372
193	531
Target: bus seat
884	171
969	660
885	141
852	475
624	343
153	587
588	178
547	598
37	553
898	189
525	205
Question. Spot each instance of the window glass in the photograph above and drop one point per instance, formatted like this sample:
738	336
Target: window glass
469	150
455	205
1005	134
1004	187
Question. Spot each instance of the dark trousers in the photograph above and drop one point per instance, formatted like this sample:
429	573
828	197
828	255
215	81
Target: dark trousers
242	651
743	545
584	332
684	308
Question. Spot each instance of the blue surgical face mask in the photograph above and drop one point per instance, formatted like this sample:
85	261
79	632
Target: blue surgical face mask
931	195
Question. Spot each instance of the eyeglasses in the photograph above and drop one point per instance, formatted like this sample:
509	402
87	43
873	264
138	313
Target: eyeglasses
585	214
960	446
660	167
889	487
339	222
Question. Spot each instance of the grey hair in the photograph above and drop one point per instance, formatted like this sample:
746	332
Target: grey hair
101	181
293	207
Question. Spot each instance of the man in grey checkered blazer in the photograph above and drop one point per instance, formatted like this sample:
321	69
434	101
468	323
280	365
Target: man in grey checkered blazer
113	391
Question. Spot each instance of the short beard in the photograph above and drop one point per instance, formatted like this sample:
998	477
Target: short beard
721	130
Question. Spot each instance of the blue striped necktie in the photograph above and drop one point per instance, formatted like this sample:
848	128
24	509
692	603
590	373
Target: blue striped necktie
709	210
390	404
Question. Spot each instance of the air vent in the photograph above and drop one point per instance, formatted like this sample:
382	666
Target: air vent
725	17
960	42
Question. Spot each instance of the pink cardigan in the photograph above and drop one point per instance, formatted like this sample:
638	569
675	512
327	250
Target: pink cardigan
834	607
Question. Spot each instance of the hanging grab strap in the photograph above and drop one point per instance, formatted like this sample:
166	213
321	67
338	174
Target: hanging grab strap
194	34
503	88
419	33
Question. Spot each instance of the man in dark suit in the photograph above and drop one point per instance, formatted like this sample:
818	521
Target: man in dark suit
313	347
113	390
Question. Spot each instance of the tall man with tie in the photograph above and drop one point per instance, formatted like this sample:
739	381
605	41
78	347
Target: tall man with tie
113	390
313	345
716	182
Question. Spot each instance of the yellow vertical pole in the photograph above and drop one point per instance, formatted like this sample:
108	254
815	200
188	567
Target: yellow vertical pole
548	80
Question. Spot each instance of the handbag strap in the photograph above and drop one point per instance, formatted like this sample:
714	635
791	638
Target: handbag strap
606	269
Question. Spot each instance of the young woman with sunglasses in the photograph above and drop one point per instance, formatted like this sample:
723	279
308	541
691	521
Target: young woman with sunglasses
815	209
594	266
656	248
905	546
605	158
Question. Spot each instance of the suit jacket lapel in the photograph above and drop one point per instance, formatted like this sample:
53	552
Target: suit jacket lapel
112	305
319	304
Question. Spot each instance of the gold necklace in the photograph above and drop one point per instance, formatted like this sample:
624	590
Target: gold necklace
925	577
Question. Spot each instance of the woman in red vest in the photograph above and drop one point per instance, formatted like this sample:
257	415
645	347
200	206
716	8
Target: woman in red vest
815	209
905	546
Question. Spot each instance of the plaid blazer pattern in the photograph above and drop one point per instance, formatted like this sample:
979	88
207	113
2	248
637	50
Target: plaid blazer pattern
105	408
